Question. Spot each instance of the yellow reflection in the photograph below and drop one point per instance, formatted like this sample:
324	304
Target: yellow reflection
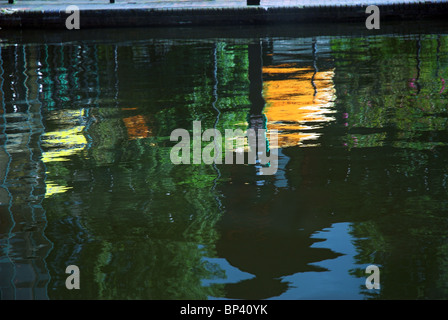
292	102
53	188
66	143
63	143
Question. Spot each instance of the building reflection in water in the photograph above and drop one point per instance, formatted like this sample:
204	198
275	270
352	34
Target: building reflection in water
259	228
36	131
63	143
43	127
137	127
298	102
24	246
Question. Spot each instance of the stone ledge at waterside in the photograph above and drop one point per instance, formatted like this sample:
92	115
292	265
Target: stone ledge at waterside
39	14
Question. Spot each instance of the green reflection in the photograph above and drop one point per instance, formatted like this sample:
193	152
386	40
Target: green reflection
88	178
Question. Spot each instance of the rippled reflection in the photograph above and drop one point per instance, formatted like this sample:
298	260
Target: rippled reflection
87	178
297	102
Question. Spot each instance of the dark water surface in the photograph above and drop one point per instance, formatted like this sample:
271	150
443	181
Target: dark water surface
86	176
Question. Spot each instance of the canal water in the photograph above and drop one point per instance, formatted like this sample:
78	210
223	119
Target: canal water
87	180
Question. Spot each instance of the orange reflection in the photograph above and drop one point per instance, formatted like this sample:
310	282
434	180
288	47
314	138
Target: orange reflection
137	127
292	102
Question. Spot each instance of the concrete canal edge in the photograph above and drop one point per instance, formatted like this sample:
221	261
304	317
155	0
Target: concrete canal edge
115	15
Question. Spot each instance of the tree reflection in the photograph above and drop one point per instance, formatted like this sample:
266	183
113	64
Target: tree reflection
84	162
